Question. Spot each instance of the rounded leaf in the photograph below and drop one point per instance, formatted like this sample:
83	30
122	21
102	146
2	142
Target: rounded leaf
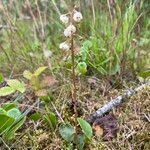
67	132
82	68
14	113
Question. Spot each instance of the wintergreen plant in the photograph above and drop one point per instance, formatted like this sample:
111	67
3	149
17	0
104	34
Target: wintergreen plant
67	131
71	20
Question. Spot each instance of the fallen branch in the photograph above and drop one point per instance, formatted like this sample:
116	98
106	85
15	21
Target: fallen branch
115	102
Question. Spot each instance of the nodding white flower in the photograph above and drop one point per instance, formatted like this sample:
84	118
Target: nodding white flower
64	46
47	53
77	16
70	30
64	19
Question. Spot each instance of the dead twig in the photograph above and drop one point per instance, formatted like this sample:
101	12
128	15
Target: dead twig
116	102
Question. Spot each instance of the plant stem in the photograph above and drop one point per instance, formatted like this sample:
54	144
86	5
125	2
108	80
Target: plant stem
74	92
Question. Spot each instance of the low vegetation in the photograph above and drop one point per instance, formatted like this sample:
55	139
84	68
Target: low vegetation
60	61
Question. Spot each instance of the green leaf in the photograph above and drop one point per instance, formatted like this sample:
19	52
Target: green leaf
36	116
84	53
82	68
87	44
4	91
10	132
1	78
145	74
2	111
47	99
5	122
27	74
8	106
80	142
51	119
67	132
86	128
14	113
39	71
16	85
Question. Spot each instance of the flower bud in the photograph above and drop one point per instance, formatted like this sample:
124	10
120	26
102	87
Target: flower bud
77	16
64	19
64	46
70	30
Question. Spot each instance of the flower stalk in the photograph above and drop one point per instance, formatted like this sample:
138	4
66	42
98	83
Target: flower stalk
74	90
71	19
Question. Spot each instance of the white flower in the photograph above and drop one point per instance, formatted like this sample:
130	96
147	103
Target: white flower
31	54
64	46
77	16
47	53
70	30
64	19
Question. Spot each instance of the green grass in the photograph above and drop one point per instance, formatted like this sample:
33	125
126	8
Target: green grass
113	49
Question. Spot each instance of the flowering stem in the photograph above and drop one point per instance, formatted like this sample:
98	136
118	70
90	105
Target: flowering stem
74	92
